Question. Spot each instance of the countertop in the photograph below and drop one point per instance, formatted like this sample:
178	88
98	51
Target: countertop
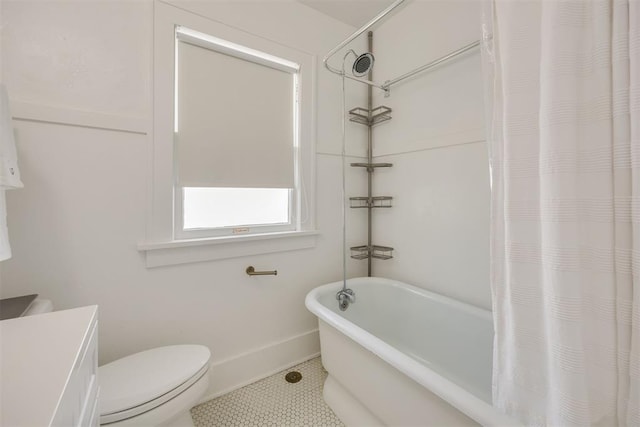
37	356
16	306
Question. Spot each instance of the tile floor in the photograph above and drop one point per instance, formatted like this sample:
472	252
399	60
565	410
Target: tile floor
272	402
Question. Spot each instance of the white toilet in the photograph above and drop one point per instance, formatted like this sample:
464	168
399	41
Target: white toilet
157	387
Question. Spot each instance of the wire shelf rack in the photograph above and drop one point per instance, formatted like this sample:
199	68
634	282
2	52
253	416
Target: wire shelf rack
375	251
371	202
371	117
371	166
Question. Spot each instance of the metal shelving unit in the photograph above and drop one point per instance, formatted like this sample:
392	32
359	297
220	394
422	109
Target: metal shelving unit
370	117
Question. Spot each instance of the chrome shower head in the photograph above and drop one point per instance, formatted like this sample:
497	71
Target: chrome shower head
363	64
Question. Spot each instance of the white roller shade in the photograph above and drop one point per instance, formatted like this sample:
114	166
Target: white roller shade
234	121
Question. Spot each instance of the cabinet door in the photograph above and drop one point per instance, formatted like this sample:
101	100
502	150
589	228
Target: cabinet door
79	402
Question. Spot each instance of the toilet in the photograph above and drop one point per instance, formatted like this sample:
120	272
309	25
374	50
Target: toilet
156	387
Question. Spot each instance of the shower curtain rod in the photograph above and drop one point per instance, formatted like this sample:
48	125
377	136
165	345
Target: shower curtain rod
386	86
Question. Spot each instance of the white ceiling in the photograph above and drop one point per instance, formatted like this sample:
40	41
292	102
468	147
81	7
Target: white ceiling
353	12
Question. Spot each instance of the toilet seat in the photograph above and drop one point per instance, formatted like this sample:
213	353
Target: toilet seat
143	381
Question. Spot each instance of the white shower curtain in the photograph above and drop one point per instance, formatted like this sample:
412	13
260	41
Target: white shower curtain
565	159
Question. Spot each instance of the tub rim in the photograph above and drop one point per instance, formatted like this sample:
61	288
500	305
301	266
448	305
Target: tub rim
457	396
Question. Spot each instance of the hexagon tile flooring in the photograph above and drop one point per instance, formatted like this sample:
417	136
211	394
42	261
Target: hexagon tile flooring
272	402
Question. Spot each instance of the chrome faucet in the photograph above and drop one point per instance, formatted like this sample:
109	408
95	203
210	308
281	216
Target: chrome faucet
345	297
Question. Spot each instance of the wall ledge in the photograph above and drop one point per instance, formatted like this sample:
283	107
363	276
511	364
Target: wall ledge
28	111
198	250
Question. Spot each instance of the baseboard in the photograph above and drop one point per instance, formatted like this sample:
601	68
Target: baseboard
230	374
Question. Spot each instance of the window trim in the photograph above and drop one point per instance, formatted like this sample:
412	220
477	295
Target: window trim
160	230
196	250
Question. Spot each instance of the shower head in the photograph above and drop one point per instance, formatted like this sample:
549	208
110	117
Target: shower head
363	64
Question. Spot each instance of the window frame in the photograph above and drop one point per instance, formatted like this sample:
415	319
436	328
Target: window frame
199	233
226	47
162	246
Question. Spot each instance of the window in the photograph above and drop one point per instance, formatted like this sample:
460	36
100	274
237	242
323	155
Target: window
218	207
235	123
233	143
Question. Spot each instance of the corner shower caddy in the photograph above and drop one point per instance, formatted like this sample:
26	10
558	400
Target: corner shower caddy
370	117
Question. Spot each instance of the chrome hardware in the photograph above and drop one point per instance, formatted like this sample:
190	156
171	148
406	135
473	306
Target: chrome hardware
345	297
252	272
386	87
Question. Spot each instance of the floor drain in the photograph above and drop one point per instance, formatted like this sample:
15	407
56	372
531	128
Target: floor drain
293	377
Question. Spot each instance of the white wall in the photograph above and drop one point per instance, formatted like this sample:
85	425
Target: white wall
76	225
439	223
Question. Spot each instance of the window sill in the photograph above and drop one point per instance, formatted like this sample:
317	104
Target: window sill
198	250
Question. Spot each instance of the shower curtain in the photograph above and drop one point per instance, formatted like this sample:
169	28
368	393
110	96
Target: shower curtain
565	171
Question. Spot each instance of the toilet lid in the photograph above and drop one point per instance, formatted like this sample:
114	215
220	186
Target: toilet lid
142	377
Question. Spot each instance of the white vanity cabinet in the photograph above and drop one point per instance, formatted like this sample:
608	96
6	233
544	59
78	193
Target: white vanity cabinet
48	369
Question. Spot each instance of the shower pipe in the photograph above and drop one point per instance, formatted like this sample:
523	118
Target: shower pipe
370	161
386	86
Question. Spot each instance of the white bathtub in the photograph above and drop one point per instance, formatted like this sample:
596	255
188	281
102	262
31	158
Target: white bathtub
403	356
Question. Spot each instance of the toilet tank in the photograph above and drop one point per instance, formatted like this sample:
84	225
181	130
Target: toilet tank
39	306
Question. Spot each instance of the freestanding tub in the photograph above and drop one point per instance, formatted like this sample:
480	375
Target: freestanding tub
403	356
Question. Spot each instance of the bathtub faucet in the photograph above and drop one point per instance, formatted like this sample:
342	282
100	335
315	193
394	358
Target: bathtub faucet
345	297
